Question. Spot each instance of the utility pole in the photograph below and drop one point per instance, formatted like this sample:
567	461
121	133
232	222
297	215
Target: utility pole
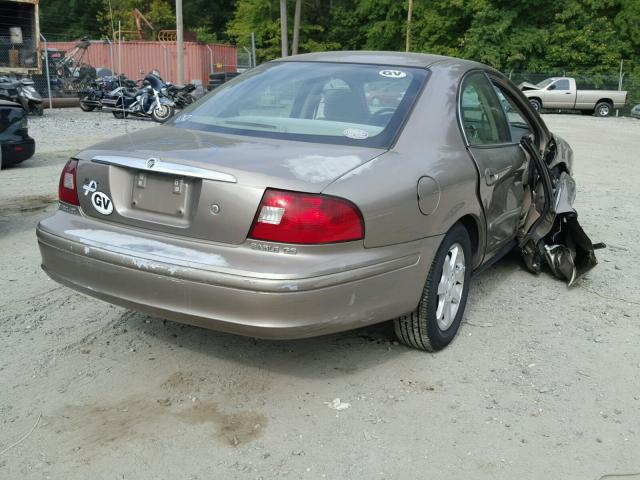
620	83
119	47
283	28
409	13
296	28
253	49
179	42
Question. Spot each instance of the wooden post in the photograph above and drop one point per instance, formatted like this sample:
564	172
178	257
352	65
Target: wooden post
283	28
179	42
409	13
296	28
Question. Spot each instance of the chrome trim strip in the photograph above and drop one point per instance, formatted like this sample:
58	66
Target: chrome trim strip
161	166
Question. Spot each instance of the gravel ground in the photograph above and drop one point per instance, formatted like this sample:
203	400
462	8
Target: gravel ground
542	381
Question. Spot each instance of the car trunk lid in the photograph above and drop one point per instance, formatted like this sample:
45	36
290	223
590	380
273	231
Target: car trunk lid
200	184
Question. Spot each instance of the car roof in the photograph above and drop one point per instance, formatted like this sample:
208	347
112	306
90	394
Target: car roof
401	59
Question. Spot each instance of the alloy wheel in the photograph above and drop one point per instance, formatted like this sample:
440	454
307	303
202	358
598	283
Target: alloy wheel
451	286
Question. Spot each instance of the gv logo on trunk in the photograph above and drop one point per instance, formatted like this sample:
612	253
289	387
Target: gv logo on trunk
102	203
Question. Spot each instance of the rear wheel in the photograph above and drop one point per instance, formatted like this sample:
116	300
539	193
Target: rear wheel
536	104
119	114
86	108
436	320
162	113
603	109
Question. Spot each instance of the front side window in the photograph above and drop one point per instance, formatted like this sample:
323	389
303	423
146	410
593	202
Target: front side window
544	83
483	118
561	85
517	123
347	104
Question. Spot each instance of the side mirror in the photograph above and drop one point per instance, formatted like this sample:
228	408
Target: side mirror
552	87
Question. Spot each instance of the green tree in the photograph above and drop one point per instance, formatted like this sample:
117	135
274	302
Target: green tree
262	17
120	12
78	19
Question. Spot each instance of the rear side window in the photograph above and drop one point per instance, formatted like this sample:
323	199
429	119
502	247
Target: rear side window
482	115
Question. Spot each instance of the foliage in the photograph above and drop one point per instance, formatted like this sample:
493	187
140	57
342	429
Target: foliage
72	19
78	19
120	12
506	34
585	37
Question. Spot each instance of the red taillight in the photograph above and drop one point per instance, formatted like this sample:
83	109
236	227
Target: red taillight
67	189
291	217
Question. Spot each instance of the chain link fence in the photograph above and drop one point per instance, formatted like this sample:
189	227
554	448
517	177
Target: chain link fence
67	67
20	57
64	67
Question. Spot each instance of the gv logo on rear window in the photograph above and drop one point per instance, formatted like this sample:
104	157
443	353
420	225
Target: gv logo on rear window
393	73
102	203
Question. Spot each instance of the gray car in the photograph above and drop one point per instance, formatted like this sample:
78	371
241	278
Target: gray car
286	205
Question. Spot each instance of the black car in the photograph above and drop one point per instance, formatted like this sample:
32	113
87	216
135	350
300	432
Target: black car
17	145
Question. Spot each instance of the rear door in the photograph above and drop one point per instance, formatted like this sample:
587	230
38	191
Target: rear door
500	161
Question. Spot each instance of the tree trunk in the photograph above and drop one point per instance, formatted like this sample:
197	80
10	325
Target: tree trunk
284	41
296	28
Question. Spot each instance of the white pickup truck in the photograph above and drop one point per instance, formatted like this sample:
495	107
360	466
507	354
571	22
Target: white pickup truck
561	93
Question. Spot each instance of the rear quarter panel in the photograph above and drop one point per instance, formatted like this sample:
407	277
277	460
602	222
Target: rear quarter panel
430	145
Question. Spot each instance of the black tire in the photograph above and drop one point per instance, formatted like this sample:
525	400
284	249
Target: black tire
420	329
536	104
38	110
119	114
162	113
86	108
603	109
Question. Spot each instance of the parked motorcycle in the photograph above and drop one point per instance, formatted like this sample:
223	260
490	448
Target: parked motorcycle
151	100
23	92
181	94
91	97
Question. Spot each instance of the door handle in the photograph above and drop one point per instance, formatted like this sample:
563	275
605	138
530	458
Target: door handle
491	176
567	93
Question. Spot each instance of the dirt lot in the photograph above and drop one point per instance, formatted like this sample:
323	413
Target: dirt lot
542	382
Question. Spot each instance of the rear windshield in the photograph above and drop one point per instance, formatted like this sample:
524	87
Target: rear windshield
338	103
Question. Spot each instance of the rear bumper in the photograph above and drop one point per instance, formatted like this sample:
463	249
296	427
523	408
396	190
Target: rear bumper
17	151
377	285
